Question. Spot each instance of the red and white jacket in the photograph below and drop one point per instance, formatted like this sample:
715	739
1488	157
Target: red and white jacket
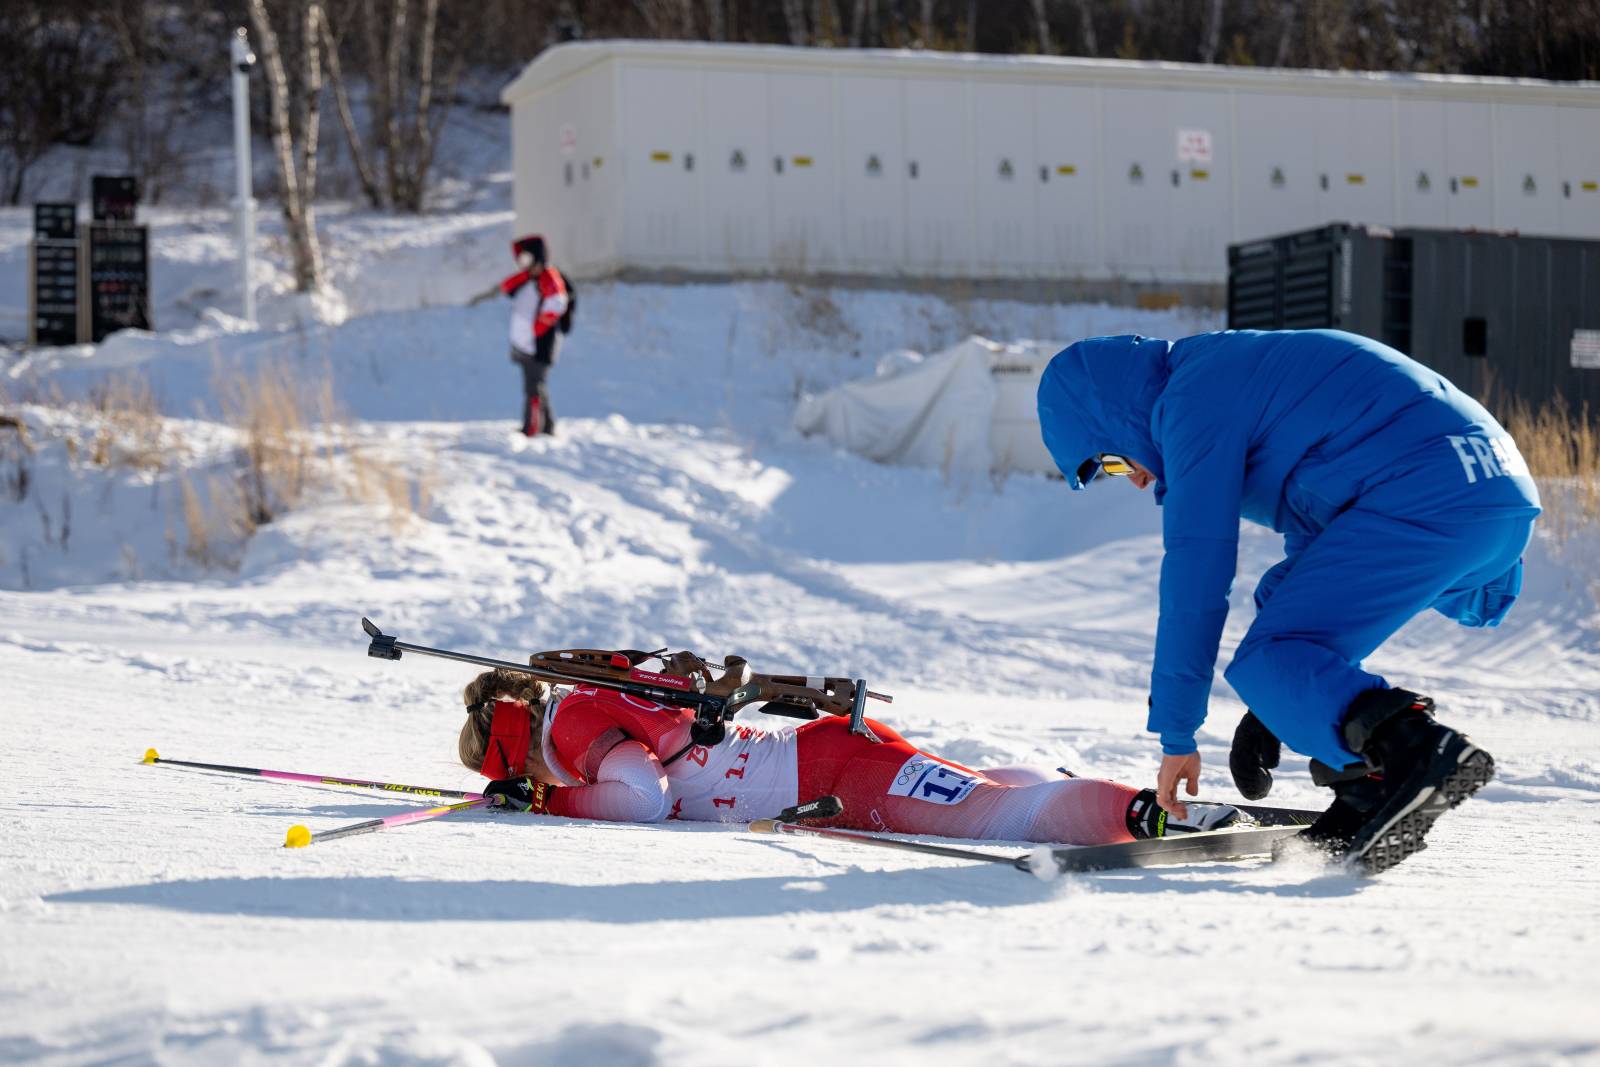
612	746
537	304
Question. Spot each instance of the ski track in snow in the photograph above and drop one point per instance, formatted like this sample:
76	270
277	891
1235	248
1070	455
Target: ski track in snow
147	916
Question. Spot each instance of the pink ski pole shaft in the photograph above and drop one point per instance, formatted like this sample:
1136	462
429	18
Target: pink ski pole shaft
152	757
300	837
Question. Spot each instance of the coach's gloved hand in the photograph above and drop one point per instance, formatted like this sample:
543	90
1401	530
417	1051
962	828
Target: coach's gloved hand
521	794
1255	752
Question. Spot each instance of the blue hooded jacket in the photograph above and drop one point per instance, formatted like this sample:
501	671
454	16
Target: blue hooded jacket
1286	429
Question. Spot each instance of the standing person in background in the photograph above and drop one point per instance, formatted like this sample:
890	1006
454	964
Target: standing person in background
542	305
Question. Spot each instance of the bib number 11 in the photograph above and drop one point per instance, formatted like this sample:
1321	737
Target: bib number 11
921	778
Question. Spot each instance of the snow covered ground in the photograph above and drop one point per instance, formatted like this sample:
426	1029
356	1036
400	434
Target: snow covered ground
147	914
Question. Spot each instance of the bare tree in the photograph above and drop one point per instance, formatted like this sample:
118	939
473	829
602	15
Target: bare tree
1041	27
1213	32
405	111
716	20
58	75
1091	45
295	129
858	16
1285	35
794	16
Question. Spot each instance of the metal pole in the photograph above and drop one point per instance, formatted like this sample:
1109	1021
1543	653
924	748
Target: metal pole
244	204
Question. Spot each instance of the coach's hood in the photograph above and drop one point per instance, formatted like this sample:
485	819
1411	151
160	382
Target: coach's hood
1097	396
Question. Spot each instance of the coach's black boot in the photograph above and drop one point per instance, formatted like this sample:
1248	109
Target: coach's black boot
1358	792
1426	769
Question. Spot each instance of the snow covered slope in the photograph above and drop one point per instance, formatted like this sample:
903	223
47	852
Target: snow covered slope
148	916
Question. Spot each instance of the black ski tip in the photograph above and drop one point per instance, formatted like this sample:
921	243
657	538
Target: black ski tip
371	627
821	808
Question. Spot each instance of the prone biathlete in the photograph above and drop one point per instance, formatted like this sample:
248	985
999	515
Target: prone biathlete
1394	492
594	753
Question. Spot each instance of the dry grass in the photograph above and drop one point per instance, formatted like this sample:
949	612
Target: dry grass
1562	448
294	438
294	449
275	413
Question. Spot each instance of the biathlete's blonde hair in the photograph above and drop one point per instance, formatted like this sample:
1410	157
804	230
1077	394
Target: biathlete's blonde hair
479	697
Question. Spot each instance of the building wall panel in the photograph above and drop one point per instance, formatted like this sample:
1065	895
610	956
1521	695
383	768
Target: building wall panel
872	173
939	166
1469	151
1527	162
1066	123
1004	178
735	173
1274	160
1578	133
805	219
659	152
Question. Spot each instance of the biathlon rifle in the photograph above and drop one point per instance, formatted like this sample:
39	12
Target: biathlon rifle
685	681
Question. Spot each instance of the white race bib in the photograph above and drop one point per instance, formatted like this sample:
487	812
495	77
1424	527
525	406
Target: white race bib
921	778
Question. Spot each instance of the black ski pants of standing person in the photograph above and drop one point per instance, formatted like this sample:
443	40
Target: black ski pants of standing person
537	414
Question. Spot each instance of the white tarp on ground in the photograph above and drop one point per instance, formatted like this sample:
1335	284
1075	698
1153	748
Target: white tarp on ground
969	409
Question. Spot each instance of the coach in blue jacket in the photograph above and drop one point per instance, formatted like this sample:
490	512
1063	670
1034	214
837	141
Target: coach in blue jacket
1394	493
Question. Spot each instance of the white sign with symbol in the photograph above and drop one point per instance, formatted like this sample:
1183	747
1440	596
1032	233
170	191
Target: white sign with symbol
1194	146
569	139
1586	349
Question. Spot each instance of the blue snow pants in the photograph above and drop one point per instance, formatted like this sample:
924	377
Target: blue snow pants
1340	594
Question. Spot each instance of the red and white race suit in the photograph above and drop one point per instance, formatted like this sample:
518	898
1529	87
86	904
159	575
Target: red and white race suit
609	750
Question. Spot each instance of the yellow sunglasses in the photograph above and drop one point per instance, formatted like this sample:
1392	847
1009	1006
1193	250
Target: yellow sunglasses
1114	464
1108	462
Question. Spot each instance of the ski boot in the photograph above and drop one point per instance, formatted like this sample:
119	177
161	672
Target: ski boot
1146	818
1426	769
1358	792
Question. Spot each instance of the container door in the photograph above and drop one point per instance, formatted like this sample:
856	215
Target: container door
1421	173
805	222
660	149
1201	216
1527	189
1355	160
1002	124
1140	178
1468	146
938	178
1580	171
1276	165
872	173
735	175
1065	123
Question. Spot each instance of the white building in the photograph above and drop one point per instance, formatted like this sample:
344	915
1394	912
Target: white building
729	159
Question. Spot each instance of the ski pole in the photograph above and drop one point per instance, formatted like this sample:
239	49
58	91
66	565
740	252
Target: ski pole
151	756
777	826
300	836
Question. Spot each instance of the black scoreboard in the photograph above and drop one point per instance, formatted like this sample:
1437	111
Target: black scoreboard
85	283
53	280
118	278
113	197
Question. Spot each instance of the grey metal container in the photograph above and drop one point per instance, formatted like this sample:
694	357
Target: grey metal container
1501	315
